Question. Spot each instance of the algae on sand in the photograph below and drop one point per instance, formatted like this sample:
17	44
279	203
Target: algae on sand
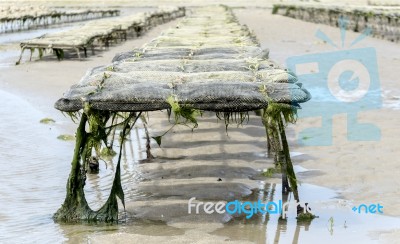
66	137
47	121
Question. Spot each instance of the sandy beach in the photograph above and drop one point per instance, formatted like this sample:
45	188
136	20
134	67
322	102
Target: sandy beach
210	161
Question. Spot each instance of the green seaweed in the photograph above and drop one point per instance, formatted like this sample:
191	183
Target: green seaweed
331	224
275	116
271	171
184	114
237	118
110	68
275	9
75	207
59	53
66	137
74	116
289	9
291	175
158	139
253	64
47	121
305	217
107	152
40	52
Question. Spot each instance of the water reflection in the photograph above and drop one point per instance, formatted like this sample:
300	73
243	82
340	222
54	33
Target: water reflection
265	228
157	193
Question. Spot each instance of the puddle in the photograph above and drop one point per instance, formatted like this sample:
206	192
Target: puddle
336	222
392	102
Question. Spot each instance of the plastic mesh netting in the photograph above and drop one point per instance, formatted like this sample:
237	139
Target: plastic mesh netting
208	62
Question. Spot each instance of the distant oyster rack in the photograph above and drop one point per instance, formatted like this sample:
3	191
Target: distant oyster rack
99	33
30	17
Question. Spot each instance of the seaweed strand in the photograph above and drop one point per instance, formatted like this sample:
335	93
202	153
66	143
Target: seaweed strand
75	207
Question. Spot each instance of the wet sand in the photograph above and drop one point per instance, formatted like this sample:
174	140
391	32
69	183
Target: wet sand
191	164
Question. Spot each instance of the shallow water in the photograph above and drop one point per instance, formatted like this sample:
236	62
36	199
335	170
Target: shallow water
31	172
34	166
